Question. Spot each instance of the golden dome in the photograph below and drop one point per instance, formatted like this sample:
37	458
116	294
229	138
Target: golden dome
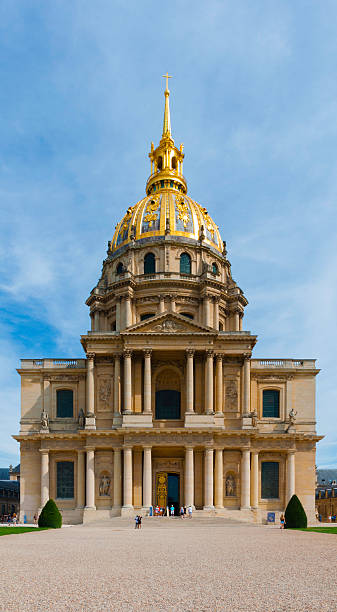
166	213
166	210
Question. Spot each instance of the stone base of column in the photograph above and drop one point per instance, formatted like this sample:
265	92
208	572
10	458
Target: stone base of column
209	508
117	419
245	507
127	511
203	420
90	422
89	514
137	419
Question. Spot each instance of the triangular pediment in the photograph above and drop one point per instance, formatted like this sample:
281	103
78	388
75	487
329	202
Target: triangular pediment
168	323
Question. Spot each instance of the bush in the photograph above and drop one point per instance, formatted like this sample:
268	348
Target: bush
50	516
295	515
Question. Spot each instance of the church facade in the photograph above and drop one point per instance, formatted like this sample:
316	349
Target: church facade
167	406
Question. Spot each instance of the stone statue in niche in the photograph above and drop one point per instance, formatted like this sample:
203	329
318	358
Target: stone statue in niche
231	397
104	391
253	415
230	486
292	416
44	420
104	486
81	419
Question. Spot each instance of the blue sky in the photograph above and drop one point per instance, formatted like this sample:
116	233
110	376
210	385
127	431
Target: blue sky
253	99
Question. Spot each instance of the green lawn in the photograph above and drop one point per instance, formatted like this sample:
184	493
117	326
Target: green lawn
321	529
9	530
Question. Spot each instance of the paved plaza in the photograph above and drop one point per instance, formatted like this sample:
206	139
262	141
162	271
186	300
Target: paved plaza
171	564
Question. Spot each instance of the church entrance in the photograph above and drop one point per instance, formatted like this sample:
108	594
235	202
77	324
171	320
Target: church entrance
167	490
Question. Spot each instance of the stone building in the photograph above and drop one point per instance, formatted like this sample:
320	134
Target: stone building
168	405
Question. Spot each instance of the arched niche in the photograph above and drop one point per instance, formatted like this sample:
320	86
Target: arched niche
168	394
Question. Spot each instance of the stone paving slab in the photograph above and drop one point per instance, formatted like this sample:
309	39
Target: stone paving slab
170	564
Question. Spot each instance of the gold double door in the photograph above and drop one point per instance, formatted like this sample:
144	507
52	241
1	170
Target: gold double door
167	490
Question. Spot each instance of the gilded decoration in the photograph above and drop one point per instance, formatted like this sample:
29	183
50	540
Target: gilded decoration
161	489
151	216
183	214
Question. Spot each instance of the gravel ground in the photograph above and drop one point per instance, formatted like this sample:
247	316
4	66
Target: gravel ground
171	564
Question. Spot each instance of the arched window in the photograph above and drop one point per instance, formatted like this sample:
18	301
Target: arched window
146	315
149	263
167	404
271	403
174	163
113	326
220	326
160	163
215	269
120	268
187	314
185	263
64	404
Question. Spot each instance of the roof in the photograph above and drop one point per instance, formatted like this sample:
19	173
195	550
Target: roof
4	474
10	485
327	476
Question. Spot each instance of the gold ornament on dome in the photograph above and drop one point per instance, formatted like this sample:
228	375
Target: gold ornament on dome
209	224
183	210
127	219
151	214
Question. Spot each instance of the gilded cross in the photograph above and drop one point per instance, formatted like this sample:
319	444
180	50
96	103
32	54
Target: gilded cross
167	77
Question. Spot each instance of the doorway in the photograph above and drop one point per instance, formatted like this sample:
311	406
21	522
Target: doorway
173	492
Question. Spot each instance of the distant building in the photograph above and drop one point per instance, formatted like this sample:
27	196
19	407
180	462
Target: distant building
326	493
14	473
4	474
9	497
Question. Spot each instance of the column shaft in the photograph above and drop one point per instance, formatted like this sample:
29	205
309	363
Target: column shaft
209	383
245	479
117	385
206	312
189	476
290	475
254	482
117	477
246	386
118	315
208	474
127	383
127	477
96	320
90	386
128	313
216	314
190	382
147	477
90	478
218	478
80	478
147	381
44	477
219	384
161	303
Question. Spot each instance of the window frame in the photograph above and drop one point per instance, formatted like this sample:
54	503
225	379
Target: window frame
278	463
146	256
271	387
57	462
187	255
276	393
64	418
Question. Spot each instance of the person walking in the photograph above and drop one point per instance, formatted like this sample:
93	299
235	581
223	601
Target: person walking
282	521
136	521
182	512
190	510
172	510
140	521
35	519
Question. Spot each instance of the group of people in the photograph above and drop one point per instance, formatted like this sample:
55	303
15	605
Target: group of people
170	511
9	518
138	521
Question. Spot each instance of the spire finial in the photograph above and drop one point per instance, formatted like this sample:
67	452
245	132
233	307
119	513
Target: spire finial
167	118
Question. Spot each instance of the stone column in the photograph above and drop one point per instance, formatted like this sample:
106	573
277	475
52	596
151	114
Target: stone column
189	476
90	384
147	381
161	303
80	478
128	313
254	481
246	385
219	384
90	478
189	382
147	477
236	318
208	475
206	311
290	475
173	303
127	502
117	477
218	478
216	313
209	383
44	476
96	320
245	478
117	384
118	315
127	382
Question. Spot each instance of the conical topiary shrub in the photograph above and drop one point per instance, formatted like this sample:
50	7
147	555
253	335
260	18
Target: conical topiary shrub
50	516
295	515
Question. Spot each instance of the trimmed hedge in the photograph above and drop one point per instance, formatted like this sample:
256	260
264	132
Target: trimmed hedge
50	516
295	515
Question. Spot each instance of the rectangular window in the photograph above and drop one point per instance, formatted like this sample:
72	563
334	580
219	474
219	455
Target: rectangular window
270	480
271	403
64	403
65	479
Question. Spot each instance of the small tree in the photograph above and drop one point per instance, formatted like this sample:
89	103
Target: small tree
50	516
295	515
